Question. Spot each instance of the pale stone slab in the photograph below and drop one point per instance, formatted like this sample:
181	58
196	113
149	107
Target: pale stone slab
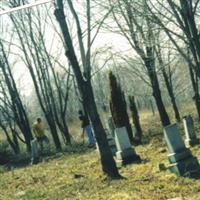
122	139
125	152
173	139
182	162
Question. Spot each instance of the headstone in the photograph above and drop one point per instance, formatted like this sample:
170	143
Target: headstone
111	142
182	162
190	134
111	126
34	152
125	152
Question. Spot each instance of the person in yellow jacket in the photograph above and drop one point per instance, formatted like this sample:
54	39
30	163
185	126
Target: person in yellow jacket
39	131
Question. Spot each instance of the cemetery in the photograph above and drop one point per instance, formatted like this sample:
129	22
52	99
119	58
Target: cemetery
77	170
99	100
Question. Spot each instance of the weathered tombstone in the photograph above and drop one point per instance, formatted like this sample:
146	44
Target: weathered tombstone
111	126
111	142
190	134
34	152
182	162
125	153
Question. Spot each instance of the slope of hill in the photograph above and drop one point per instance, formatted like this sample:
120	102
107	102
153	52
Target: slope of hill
77	175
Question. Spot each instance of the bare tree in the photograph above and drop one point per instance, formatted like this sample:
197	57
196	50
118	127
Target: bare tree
167	75
139	32
179	21
49	84
17	107
84	80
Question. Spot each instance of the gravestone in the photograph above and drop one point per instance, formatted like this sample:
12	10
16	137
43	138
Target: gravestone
111	142
182	162
34	152
190	134
125	152
111	126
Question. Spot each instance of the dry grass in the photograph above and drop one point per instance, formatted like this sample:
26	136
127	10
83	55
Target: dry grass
56	179
78	175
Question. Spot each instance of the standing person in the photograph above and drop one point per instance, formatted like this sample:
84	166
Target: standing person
39	131
87	128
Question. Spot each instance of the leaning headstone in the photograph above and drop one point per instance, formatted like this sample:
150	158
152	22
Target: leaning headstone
190	134
34	152
182	162
125	153
111	126
111	142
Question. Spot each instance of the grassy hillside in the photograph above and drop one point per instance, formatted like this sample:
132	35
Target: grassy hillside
77	175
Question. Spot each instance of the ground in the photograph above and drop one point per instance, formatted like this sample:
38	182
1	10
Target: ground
77	175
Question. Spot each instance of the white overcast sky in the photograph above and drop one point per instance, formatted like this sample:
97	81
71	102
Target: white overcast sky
118	43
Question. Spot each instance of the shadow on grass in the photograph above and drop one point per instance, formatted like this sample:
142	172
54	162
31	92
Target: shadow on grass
24	159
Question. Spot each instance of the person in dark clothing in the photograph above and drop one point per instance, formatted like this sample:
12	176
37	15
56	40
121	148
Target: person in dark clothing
87	129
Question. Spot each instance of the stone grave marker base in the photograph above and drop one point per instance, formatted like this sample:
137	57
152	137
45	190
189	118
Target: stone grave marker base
125	152
182	162
188	167
127	156
175	157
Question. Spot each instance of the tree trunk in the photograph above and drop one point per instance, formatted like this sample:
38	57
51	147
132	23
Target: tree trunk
191	31
54	132
15	141
195	87
107	160
118	106
156	92
85	89
136	120
171	95
65	131
17	105
11	143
